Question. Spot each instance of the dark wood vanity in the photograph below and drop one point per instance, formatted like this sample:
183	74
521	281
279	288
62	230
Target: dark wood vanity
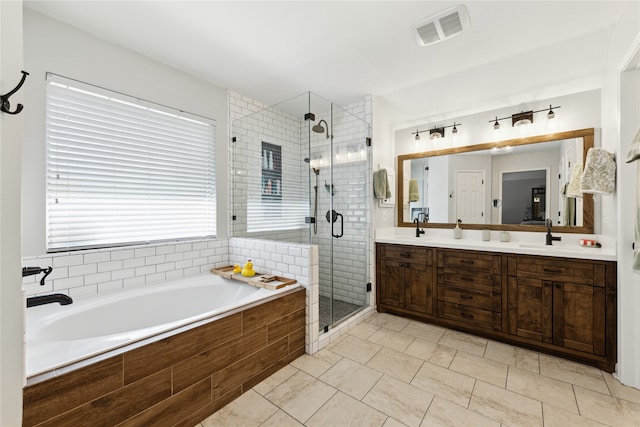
561	306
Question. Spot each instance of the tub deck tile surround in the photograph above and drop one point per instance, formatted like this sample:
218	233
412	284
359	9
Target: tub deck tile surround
179	380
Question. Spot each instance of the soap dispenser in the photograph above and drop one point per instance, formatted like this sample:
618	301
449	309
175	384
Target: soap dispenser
457	231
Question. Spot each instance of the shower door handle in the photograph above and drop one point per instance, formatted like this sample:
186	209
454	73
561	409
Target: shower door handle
337	236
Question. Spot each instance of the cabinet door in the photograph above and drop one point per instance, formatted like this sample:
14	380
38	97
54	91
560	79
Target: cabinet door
530	308
392	286
418	283
579	317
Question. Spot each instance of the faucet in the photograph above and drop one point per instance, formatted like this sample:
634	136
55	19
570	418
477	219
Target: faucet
550	238
47	299
417	221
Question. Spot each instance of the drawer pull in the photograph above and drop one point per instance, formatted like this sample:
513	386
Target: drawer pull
467	279
465	261
466	315
465	296
405	255
549	270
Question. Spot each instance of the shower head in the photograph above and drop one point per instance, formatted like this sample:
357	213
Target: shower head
321	129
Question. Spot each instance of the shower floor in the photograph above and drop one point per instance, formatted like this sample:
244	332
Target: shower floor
341	310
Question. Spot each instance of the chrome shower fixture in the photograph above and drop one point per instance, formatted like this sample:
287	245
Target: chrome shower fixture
321	129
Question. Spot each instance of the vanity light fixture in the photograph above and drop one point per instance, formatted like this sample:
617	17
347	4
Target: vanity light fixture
524	117
437	132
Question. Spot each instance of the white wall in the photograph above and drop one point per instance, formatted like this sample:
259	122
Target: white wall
11	350
51	46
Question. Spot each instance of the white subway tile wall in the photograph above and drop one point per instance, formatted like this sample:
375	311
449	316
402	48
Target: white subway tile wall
89	272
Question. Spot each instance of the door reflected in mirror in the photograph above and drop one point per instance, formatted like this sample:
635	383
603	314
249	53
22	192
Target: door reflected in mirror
513	184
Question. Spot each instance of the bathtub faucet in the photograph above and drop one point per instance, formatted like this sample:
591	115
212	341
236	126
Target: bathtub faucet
47	299
30	271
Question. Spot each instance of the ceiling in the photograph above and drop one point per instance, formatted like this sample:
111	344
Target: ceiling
513	52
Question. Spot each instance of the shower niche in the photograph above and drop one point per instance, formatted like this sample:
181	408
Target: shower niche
291	164
271	171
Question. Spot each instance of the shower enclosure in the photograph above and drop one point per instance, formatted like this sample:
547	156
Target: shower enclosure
301	174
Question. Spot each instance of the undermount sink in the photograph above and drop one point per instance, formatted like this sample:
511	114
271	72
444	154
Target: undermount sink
555	247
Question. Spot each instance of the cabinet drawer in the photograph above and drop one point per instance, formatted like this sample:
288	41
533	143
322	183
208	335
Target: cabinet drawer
581	272
476	316
408	254
468	279
469	298
480	263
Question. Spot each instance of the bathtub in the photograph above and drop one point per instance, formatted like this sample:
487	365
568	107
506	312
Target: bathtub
57	336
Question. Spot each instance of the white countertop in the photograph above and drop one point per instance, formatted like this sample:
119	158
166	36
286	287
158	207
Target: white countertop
519	242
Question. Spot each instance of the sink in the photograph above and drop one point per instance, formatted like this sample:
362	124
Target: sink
552	248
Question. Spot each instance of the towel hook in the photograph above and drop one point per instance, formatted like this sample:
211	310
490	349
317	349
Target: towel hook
6	105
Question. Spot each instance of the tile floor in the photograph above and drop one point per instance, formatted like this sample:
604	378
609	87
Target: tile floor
389	371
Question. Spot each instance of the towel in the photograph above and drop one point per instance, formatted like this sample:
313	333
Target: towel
381	188
599	174
414	194
573	189
634	151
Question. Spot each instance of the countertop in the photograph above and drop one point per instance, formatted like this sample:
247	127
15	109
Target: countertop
519	242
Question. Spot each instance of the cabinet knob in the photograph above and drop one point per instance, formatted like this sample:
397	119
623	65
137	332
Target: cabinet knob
558	285
467	279
466	315
405	255
465	261
465	296
550	270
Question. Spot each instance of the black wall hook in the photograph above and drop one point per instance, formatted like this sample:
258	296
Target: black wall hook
5	98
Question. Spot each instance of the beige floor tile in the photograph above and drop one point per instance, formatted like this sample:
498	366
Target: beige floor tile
555	392
440	355
275	379
351	377
424	331
574	373
389	321
364	330
556	417
442	382
607	409
443	413
391	339
477	367
395	364
393	423
465	342
345	411
399	400
505	406
318	363
620	390
514	356
301	395
250	409
281	419
356	349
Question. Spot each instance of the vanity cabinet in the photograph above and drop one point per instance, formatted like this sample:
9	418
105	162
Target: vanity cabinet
562	306
562	302
407	274
469	287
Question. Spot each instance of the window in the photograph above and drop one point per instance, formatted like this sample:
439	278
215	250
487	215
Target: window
123	171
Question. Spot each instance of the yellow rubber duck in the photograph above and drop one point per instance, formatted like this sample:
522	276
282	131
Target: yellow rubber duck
236	269
247	270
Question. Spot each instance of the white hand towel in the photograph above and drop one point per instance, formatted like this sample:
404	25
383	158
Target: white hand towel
599	176
573	189
634	151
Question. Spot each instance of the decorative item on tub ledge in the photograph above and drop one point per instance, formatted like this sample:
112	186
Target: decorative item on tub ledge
523	117
260	280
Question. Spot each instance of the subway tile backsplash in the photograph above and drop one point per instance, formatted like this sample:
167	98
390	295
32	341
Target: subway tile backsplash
109	270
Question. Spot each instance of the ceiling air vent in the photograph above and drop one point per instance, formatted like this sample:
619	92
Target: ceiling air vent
440	26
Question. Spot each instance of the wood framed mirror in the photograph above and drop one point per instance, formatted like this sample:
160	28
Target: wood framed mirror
514	185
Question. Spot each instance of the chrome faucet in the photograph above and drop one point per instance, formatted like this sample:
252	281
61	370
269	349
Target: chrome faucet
550	238
417	221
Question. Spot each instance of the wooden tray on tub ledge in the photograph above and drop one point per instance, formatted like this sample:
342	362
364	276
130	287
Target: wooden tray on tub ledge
267	281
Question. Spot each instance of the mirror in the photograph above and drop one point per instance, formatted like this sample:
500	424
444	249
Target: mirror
509	185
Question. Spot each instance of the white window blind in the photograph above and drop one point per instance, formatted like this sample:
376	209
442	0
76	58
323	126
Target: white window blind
123	171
